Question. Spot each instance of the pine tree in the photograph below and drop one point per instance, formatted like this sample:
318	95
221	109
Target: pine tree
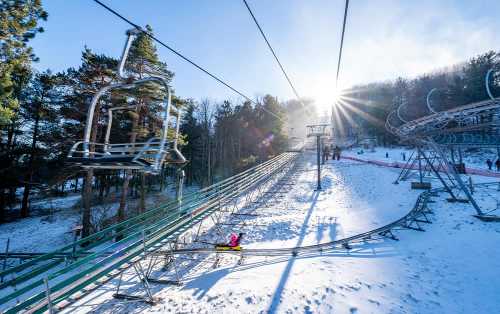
273	138
224	138
143	61
191	129
474	75
80	85
18	24
39	112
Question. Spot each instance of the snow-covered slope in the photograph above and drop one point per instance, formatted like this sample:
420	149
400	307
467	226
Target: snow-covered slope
453	267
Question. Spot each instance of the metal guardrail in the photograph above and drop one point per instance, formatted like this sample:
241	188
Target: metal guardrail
146	232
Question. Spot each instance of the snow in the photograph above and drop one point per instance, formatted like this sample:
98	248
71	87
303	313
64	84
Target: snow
473	157
38	234
379	153
453	267
47	232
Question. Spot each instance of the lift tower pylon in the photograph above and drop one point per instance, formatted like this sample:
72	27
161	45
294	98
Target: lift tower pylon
318	131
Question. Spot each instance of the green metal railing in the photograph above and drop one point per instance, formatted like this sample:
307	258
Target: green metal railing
143	233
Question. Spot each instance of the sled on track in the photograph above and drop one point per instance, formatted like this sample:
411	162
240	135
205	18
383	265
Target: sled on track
227	248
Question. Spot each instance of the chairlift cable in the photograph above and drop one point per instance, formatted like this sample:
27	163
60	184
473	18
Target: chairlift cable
180	55
273	52
341	43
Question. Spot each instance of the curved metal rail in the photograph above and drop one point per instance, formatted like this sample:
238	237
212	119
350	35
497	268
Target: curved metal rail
412	220
459	119
462	117
428	100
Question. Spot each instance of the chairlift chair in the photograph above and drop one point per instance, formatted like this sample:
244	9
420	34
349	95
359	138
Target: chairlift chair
147	156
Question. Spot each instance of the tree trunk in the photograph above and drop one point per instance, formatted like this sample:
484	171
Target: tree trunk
209	162
162	179
87	188
87	200
123	197
25	202
128	173
12	195
2	205
108	185
142	202
76	184
117	182
102	183
31	169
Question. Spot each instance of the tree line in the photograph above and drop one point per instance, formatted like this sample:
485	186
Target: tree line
366	106
42	114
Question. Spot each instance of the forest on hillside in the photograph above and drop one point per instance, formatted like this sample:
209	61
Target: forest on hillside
364	108
42	114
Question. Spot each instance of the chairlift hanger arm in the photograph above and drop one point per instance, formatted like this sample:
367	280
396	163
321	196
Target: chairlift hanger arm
147	156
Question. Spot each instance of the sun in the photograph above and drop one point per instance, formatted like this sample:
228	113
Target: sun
323	91
326	98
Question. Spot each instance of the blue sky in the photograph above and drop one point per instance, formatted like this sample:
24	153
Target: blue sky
384	39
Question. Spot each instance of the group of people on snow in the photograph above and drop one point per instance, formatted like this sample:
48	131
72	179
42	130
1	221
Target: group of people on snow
489	163
329	149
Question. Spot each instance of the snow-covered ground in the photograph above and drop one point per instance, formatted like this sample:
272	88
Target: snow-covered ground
453	267
472	157
42	233
46	232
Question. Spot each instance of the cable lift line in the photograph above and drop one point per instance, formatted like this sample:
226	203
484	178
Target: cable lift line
180	55
339	62
341	43
274	53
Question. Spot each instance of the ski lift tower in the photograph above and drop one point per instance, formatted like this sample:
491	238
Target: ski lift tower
318	130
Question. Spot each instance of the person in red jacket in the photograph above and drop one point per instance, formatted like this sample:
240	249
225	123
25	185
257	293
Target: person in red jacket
234	242
235	239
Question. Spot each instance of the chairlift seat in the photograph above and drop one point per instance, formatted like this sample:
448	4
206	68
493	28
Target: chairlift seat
111	162
138	156
106	160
